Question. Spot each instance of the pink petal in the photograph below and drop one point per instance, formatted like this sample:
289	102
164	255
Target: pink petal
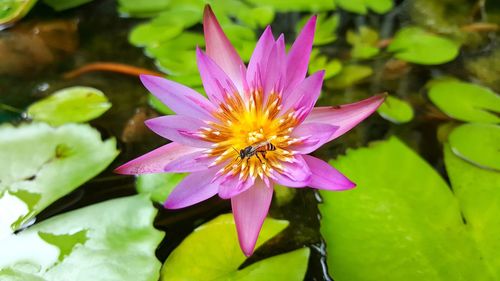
345	116
155	161
250	209
314	135
216	83
220	49
178	128
181	99
191	162
232	185
305	94
276	67
295	174
298	57
259	58
324	176
194	188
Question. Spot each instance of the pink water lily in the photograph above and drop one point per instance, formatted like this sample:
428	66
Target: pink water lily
266	108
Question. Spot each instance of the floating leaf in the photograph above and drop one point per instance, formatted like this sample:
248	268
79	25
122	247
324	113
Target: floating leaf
477	191
113	240
465	101
396	110
297	5
416	45
39	164
351	74
257	17
214	249
14	10
362	6
74	104
402	218
60	5
158	186
148	34
477	143
142	8
325	28
364	43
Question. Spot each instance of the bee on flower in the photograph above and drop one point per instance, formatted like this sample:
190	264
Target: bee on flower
265	111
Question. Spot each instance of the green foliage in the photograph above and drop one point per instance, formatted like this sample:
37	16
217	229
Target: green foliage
362	6
61	5
113	240
401	219
478	191
74	104
297	5
158	186
351	74
477	143
396	110
465	101
213	248
413	44
321	62
14	10
40	164
364	43
326	28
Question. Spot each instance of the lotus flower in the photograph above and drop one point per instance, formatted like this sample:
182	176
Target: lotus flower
254	130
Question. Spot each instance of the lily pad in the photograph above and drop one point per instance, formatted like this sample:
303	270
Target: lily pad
364	43
158	186
351	74
39	164
143	8
362	6
402	218
113	240
321	62
477	143
213	248
61	5
396	110
465	101
74	104
14	10
478	191
413	44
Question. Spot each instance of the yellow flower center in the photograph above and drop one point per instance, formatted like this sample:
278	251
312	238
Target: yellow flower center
255	127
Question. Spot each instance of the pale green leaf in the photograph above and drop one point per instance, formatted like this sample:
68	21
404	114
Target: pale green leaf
465	101
477	143
396	110
14	10
364	43
158	186
74	104
351	74
39	164
60	5
214	249
113	240
296	5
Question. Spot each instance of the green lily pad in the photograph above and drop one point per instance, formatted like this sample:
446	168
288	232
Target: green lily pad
351	74
413	44
477	143
362	6
14	10
296	5
364	43
214	249
477	191
465	101
61	5
401	218
396	110
39	164
257	16
143	8
158	186
325	28
148	34
113	240
74	104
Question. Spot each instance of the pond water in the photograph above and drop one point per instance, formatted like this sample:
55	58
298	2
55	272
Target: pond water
95	32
